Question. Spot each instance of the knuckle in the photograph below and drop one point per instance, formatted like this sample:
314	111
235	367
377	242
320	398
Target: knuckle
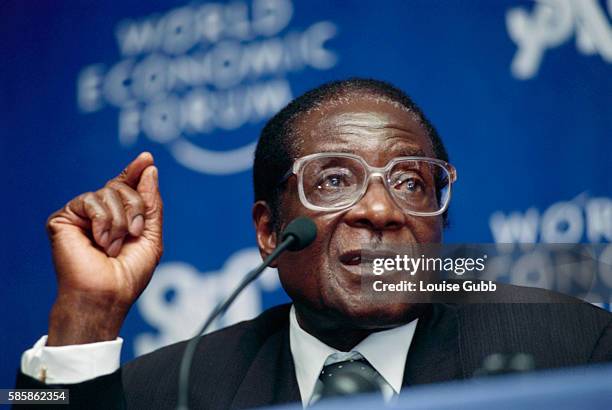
119	223
121	226
106	193
100	217
132	200
50	222
137	204
116	185
156	208
87	197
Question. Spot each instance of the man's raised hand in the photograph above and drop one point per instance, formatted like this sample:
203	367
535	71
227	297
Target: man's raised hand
105	246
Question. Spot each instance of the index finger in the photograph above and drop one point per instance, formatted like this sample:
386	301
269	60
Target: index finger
131	174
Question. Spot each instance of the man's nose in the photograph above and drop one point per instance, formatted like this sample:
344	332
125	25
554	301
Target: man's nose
376	210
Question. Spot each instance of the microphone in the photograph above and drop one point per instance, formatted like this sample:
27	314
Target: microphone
298	234
302	232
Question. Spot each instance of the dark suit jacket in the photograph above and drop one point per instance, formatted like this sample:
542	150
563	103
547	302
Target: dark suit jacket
250	364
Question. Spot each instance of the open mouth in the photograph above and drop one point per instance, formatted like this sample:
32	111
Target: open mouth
361	261
351	258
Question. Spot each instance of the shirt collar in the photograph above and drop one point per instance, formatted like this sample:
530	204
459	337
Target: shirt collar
385	350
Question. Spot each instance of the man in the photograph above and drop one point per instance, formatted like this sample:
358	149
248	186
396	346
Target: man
338	155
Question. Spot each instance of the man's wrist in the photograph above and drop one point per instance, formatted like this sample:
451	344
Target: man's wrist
80	319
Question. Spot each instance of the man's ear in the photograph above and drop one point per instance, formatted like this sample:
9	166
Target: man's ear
264	229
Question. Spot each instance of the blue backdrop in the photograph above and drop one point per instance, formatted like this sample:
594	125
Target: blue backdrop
520	91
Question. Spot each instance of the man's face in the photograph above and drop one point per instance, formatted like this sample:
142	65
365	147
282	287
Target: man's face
319	278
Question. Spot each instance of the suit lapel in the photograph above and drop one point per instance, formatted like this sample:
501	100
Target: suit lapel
271	377
434	354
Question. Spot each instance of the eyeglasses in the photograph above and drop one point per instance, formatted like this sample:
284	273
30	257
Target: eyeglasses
332	181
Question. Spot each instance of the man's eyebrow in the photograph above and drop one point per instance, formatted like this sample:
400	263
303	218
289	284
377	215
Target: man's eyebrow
411	152
338	150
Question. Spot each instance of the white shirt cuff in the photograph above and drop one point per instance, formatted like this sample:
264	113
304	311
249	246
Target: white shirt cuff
71	364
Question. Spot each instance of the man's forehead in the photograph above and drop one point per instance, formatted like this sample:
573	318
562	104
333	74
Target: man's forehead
359	126
360	121
372	123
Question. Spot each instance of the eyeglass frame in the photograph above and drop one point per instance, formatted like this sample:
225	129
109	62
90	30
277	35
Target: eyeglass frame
298	166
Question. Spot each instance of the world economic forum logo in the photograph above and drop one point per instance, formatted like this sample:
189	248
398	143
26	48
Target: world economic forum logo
194	78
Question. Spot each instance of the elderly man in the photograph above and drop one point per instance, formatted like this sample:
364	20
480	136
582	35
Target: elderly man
360	159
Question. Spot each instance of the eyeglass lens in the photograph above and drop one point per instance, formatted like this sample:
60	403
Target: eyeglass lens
336	182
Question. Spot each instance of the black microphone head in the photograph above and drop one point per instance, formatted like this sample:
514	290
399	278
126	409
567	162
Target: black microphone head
303	230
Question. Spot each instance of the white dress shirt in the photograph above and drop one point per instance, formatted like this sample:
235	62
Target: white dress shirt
71	364
386	351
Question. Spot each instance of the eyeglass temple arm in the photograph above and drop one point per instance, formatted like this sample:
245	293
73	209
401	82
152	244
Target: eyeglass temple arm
286	176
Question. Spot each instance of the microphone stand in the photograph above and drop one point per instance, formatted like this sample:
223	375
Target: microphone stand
183	388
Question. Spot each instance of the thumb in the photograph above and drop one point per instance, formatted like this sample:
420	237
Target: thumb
132	173
148	188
